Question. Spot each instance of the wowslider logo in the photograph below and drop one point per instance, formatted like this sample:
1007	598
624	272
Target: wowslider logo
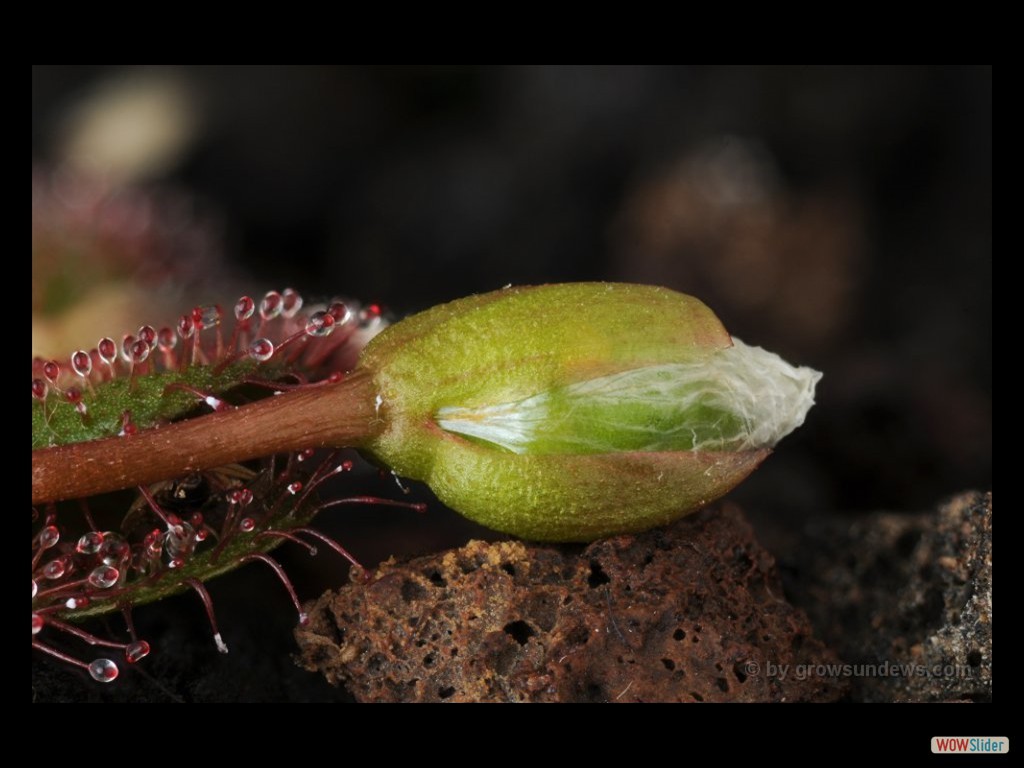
975	745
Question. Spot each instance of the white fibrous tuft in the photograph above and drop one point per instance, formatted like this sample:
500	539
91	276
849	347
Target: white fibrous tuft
742	398
772	396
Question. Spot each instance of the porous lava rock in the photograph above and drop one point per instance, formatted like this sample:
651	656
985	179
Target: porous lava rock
688	613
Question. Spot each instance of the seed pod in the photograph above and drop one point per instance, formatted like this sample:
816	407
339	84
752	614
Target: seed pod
572	412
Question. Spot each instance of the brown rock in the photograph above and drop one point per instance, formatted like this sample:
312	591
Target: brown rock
692	612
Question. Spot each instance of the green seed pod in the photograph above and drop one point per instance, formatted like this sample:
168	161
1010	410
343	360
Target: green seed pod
572	412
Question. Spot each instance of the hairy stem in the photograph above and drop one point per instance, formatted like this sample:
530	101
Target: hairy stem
333	415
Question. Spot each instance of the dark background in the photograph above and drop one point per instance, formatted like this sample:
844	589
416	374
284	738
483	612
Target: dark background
839	216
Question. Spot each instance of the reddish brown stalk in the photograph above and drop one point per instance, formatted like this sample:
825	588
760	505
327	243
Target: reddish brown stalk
336	415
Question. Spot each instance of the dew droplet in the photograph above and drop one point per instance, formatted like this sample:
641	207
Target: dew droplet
39	389
180	541
81	362
186	327
136	651
340	312
74	603
261	350
51	371
305	455
201	535
107	350
291	302
246	525
320	324
244	308
115	549
55	569
128	427
153	539
216	403
207	316
369	314
49	536
147	334
140	351
166	339
346	465
74	396
103	670
244	497
37	623
303	618
294	488
35	588
90	543
104	576
270	305
126	347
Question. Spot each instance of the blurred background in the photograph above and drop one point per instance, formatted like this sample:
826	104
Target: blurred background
839	216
